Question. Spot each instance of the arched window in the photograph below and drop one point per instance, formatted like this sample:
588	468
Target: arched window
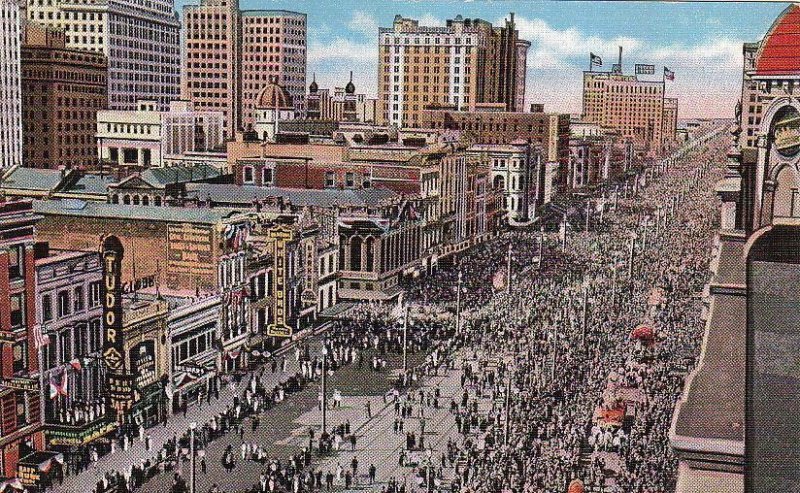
787	194
355	253
370	254
158	200
115	199
135	200
126	200
146	200
499	182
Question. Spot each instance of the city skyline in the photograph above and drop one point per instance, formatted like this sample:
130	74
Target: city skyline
700	41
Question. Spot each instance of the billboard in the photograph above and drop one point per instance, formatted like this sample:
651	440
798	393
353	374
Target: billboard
279	327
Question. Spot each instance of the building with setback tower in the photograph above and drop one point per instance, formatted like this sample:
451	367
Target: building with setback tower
468	61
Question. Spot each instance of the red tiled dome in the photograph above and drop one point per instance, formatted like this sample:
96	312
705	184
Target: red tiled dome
779	53
273	96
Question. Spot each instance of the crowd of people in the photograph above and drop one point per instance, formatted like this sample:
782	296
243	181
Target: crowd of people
589	401
568	392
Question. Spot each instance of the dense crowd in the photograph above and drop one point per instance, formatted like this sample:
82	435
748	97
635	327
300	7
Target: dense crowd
590	402
572	394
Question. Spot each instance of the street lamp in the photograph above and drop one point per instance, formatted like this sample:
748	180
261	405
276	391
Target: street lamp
192	427
458	304
324	389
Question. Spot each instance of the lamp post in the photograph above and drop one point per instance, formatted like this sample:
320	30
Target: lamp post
508	269
192	453
508	408
631	248
541	247
324	389
405	340
458	304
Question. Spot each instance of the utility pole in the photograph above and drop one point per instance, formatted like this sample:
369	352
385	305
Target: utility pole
458	305
192	458
588	213
541	247
508	269
508	407
631	248
585	320
564	233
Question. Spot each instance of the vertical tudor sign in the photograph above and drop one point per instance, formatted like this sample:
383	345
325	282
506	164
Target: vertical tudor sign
119	381
281	235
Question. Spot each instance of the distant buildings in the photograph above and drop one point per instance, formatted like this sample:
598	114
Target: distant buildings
139	39
136	140
465	63
10	85
62	91
341	105
635	108
249	49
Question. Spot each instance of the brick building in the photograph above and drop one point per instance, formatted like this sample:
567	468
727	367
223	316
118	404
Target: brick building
465	63
20	403
62	91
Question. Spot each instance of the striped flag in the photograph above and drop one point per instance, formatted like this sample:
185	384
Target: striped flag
595	60
39	339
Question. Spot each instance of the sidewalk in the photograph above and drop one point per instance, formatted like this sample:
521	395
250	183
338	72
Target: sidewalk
177	424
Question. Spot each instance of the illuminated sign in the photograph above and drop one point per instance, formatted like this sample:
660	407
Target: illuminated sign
143	363
119	384
281	235
76	438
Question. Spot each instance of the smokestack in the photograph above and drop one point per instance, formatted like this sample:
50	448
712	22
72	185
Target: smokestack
619	61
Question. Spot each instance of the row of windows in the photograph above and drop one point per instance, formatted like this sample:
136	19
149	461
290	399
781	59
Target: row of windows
69	302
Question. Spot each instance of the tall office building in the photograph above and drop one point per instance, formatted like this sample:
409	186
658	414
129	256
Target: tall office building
10	90
467	62
62	91
232	54
140	38
635	108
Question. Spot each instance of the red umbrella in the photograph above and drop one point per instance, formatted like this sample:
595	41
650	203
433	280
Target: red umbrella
643	333
576	486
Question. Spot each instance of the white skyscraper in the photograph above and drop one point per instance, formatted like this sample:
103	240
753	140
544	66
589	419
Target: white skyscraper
141	39
10	90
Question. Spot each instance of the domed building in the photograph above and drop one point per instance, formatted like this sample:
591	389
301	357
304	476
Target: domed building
349	109
272	105
314	101
736	425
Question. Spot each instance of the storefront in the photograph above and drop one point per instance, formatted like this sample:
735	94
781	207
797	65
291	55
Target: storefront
69	440
40	469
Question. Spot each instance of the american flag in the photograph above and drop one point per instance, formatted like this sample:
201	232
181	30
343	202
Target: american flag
40	339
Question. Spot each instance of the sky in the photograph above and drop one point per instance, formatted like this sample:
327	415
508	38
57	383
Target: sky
700	41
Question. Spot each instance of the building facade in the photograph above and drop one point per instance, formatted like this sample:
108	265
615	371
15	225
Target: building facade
62	89
70	309
637	109
20	396
10	86
232	54
467	62
141	139
139	39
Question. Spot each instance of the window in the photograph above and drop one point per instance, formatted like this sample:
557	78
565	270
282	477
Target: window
329	179
266	176
20	356
247	174
77	301
16	262
47	308
94	294
349	179
17	310
63	304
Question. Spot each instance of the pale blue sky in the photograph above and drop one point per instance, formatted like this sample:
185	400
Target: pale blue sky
700	41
